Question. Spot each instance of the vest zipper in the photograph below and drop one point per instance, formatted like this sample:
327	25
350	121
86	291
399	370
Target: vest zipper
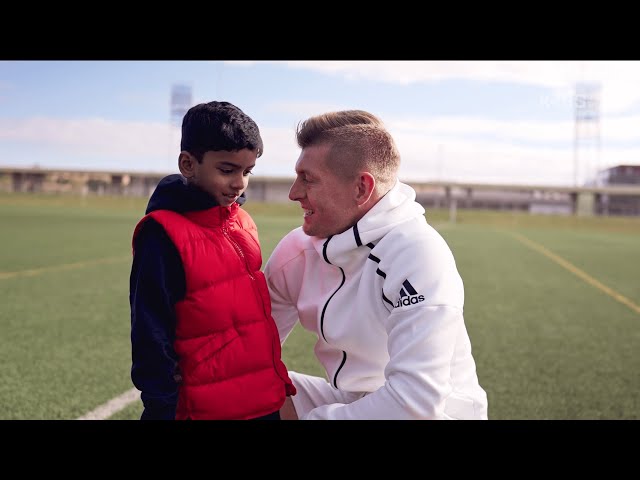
225	232
274	332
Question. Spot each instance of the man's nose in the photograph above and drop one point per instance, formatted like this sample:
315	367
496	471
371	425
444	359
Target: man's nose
295	191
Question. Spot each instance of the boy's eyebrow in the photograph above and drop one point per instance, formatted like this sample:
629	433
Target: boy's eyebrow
225	163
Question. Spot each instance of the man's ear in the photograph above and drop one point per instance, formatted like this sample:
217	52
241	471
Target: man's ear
186	164
365	186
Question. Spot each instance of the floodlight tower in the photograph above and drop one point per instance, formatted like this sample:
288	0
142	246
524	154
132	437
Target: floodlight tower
181	101
586	142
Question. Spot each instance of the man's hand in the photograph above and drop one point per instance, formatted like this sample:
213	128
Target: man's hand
288	411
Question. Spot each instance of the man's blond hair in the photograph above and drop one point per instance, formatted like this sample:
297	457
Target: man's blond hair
358	141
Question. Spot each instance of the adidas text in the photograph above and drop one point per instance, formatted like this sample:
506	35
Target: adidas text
412	300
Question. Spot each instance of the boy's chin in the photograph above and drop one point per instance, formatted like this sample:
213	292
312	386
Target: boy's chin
227	201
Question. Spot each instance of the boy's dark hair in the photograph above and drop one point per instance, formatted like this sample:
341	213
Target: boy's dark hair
218	126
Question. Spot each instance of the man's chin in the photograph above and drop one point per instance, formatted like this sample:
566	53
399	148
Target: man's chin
309	231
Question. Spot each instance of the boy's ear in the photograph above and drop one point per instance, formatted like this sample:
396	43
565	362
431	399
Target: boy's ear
186	164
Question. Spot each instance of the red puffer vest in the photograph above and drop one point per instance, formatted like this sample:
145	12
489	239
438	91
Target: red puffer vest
226	340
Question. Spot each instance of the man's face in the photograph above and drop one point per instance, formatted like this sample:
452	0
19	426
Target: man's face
224	175
328	201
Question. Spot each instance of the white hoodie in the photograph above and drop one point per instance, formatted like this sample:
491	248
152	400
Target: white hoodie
386	301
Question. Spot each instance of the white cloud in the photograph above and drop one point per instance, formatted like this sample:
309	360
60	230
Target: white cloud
621	128
452	128
502	162
460	148
545	73
619	80
482	161
90	136
303	109
550	74
280	152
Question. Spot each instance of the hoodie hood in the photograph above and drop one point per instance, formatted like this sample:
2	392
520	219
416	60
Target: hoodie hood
173	193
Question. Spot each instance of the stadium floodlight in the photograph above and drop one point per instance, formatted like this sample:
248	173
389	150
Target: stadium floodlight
181	100
586	144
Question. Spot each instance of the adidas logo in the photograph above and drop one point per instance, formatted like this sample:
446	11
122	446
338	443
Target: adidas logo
408	295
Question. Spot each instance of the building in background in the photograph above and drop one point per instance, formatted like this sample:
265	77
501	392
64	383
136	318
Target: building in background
619	176
620	194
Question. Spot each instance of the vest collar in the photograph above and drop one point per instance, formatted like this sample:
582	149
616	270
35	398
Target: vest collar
214	216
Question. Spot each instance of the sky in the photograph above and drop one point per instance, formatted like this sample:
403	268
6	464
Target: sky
455	121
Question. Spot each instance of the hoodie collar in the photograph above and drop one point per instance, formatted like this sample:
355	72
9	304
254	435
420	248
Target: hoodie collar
396	207
175	194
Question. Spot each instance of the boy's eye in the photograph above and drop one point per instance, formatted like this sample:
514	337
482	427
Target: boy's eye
248	172
225	170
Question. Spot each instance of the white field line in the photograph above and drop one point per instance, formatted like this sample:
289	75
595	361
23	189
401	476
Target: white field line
113	406
65	266
577	272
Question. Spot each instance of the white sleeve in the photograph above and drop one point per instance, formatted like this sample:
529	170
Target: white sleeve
283	307
421	339
284	277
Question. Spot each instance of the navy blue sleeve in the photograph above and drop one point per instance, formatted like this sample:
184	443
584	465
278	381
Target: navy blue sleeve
157	282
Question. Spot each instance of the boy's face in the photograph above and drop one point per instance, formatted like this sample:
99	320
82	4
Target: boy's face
223	175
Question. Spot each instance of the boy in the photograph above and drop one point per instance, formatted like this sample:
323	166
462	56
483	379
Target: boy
204	344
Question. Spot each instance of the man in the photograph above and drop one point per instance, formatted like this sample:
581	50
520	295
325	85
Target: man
376	284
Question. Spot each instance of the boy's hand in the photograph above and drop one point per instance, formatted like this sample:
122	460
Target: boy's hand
288	411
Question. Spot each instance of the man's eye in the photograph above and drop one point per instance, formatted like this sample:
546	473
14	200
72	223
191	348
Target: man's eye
225	171
248	172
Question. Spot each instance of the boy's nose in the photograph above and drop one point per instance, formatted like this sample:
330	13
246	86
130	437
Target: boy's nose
238	182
